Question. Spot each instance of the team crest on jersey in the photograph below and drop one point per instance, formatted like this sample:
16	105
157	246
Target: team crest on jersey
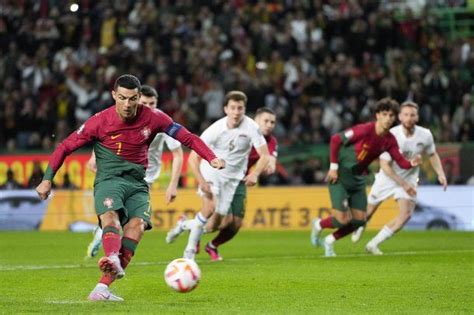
108	203
146	132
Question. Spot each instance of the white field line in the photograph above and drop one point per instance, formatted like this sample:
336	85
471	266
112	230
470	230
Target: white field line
318	254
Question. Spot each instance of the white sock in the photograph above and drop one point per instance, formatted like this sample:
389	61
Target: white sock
330	239
317	224
196	232
384	234
188	224
101	285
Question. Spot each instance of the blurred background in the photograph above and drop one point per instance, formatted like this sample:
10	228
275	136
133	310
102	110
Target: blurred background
320	65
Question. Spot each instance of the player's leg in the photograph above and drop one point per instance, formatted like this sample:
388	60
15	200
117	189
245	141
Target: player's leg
357	234
407	206
339	217
232	201
213	222
382	189
196	225
110	208
231	223
95	244
357	201
109	264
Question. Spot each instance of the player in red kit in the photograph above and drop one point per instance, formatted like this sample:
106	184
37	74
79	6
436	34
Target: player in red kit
121	136
351	152
230	226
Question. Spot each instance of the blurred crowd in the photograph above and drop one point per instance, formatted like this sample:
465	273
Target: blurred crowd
319	64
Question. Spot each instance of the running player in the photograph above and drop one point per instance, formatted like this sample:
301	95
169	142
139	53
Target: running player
351	153
122	134
231	137
394	181
231	224
149	98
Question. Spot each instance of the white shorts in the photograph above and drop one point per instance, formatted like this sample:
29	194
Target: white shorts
222	187
385	187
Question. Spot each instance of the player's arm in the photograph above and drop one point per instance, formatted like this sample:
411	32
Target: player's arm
74	141
386	166
347	137
176	166
394	151
435	162
188	139
262	163
193	161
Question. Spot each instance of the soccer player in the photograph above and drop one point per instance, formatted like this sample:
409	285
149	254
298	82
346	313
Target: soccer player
149	98
351	152
121	134
401	183
231	137
232	222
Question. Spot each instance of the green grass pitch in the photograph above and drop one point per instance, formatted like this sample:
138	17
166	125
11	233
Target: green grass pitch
262	273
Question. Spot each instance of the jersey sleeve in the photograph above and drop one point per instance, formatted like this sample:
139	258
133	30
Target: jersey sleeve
85	134
171	143
209	136
430	147
256	137
385	156
395	153
347	137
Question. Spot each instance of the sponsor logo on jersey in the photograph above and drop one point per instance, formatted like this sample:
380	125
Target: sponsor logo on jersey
115	136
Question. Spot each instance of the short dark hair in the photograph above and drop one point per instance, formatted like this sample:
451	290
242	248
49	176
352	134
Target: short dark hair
409	104
128	81
262	110
149	91
235	96
387	104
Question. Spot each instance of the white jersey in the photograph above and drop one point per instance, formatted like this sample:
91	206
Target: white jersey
232	145
421	141
155	152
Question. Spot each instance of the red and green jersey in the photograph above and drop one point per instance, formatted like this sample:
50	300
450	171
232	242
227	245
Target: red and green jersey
272	145
357	147
121	147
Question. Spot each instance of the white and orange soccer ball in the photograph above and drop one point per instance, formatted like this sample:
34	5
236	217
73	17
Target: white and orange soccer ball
182	275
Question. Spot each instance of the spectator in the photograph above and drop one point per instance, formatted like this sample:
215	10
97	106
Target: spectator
11	183
36	175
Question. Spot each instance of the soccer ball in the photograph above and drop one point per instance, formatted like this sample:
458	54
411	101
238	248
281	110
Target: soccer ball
182	275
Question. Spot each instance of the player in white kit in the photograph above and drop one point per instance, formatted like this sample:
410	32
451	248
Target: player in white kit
231	138
391	180
149	97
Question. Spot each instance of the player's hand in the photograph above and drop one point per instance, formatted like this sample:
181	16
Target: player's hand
251	179
331	177
44	189
218	163
411	191
416	160
170	195
443	181
91	164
